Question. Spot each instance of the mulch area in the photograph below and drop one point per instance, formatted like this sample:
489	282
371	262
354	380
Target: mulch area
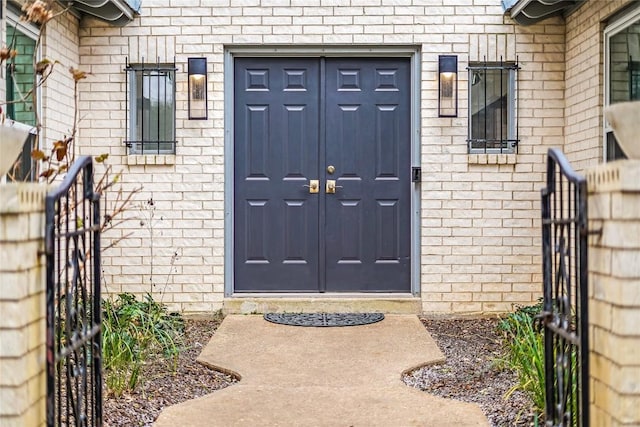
166	382
474	370
472	373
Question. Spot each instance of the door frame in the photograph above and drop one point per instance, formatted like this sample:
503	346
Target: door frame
390	51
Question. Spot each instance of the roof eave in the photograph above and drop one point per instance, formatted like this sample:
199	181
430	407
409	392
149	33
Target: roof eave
527	12
115	12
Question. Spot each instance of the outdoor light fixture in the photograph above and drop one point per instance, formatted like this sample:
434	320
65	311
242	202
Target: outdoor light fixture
448	86
197	72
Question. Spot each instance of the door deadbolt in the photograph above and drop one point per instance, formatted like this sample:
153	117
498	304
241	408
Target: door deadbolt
331	169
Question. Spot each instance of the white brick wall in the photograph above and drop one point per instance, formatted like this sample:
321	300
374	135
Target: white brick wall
584	82
480	227
614	292
61	44
22	304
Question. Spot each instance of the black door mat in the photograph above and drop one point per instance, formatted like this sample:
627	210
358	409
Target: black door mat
323	319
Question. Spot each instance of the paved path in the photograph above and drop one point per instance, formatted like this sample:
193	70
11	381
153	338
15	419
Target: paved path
300	376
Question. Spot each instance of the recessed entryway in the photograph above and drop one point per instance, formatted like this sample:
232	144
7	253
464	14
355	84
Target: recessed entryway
322	167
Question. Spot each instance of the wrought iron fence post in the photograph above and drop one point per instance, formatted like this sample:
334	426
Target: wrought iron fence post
565	305
547	278
97	298
73	336
583	252
50	316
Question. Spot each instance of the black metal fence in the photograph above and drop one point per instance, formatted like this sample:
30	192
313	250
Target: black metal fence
72	243
565	315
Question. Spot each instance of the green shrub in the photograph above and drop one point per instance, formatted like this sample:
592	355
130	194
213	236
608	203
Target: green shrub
526	352
132	331
525	342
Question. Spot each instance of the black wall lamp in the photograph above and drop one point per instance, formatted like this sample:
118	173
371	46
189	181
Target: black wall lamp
197	87
448	86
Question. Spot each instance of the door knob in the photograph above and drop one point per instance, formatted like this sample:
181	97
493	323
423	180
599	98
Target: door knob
313	186
331	186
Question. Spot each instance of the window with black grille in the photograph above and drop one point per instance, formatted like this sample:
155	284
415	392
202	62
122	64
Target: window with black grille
492	107
151	103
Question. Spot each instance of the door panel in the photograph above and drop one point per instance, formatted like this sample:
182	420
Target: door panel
388	222
290	114
370	149
347	248
276	141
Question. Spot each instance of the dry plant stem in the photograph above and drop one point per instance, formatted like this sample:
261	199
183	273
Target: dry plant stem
150	230
148	210
75	119
174	258
119	205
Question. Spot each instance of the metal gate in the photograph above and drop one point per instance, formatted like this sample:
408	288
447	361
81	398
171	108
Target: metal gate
72	243
565	315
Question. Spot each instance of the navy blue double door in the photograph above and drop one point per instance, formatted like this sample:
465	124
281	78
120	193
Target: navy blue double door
300	126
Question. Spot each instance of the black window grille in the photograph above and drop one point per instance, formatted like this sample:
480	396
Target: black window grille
634	80
493	126
151	108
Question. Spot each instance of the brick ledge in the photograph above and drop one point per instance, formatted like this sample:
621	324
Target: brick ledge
621	175
22	197
150	159
491	159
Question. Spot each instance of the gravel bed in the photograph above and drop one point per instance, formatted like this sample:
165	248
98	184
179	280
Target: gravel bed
471	373
165	385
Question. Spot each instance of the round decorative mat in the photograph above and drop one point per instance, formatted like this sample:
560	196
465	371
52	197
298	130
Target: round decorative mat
323	319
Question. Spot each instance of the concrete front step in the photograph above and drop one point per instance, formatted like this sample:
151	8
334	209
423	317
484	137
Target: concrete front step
330	303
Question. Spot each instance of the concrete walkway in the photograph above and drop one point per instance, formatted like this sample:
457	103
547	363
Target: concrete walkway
300	376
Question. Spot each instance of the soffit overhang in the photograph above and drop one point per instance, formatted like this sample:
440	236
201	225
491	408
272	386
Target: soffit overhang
527	12
115	12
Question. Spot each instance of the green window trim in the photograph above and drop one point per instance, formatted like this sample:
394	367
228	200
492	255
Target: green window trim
19	82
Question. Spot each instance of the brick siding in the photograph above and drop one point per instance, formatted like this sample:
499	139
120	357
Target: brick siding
57	98
479	216
584	92
480	227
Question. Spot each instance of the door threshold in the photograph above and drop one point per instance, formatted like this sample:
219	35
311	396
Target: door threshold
322	295
260	303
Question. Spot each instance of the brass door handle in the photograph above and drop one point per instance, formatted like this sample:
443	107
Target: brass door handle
313	186
331	186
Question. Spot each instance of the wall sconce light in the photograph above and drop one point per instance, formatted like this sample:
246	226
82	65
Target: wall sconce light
448	86
197	87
